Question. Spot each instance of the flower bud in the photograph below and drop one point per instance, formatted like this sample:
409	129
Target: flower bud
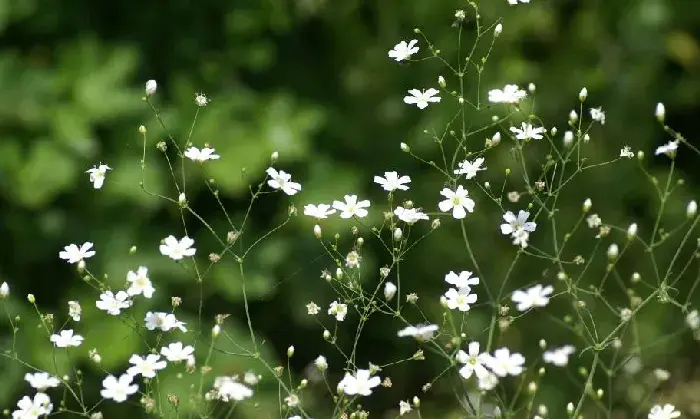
4	290
531	87
274	156
583	94
30	298
405	148
573	116
321	363
498	30
339	273
151	87
142	129
317	231
568	138
632	231
182	199
587	205
326	334
290	351
389	291
398	234
215	331
691	209
660	112
613	251
442	82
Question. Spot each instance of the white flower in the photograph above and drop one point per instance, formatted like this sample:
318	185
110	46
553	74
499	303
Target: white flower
282	180
151	87
251	378
537	296
626	152
195	154
163	321
488	382
469	169
351	208
74	254
32	409
319	211
474	361
693	320
460	299
422	332
559	356
498	30
177	250
176	352
403	51
147	366
593	221
74	310
527	131
358	384
389	291
229	389
503	363
66	338
668	411
392	181
113	304
598	115
668	149
514	2
458	201
520	238
404	407
118	389
312	309
518	227
511	93
462	280
4	290
338	310
691	209
201	99
583	94
98	174
410	215
41	380
140	283
321	363
422	98
660	112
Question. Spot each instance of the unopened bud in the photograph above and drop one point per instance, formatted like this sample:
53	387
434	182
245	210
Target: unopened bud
389	291
317	231
405	148
498	30
587	204
290	351
613	251
583	94
691	209
660	112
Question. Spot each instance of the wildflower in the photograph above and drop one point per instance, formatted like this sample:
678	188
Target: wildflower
474	361
462	280
229	389
351	207
410	215
4	290
668	149
312	309
498	30
403	51
423	332
360	383
511	93
151	87
98	174
598	115
195	154
593	221
559	356
282	180
392	181
660	112
513	223
469	169
176	352
75	254
113	304
66	338
118	389
250	378
163	321
30	409
338	310
147	366
177	250
352	260
514	2
527	131
41	380
667	411
404	407
201	99
503	363
319	211
626	152
457	201
321	363
693	320
691	209
536	296
460	299
74	310
583	94
140	283
389	291
422	98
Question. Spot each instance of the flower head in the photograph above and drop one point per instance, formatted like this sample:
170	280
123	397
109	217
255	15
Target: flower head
338	310
470	168
66	338
147	366
403	51
319	211
527	131
511	93
163	321
668	149
113	304
422	332
98	174
30	409
74	254
41	380
118	389
422	98
460	299
361	383
474	361
537	296
351	207
410	215
140	283
229	389
462	280
667	411
177	250
195	154
503	363
559	356
176	352
458	201
392	181
282	180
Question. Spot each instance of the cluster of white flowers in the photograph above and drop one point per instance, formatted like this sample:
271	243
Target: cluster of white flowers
489	368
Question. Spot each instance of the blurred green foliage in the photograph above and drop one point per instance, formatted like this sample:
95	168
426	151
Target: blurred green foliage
311	80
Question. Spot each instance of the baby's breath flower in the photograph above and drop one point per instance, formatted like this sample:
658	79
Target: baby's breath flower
201	99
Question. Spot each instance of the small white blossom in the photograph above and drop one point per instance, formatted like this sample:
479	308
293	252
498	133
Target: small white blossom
660	112
536	296
33	408
389	291
692	319
460	299
593	221
598	115
474	361
668	149
74	310
527	131
176	352
312	309
423	332
559	356
514	2
404	407
147	366
319	211
4	290
118	389
351	207
462	280
75	254
113	304
98	174
163	321
422	98
499	29
458	201
201	99
503	363
513	223
151	86
667	411
583	94
691	209
626	152
469	169
511	93
177	250
338	310
195	154
66	338
410	215
392	181
360	383
403	51
229	389
321	363
41	380
140	283
282	180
